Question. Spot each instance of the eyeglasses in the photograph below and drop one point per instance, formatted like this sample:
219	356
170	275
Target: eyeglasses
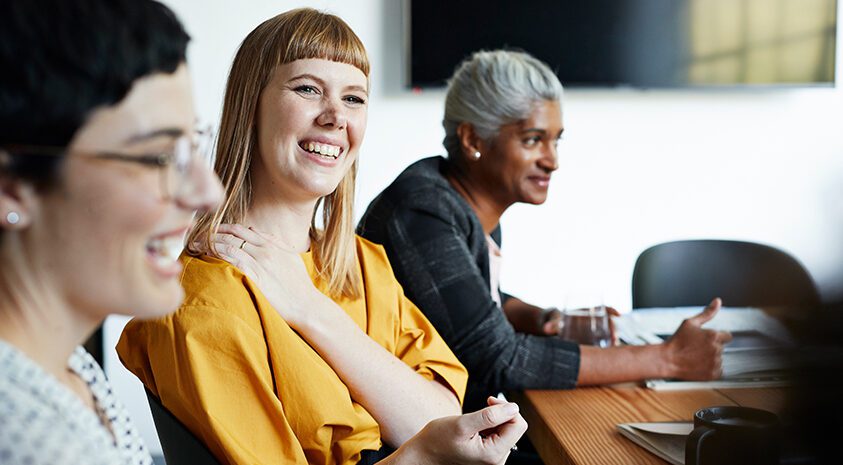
176	165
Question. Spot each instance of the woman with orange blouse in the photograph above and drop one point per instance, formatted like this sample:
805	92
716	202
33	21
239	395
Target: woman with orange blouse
295	343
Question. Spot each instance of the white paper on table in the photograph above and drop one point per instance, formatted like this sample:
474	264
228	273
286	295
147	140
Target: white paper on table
643	326
671	427
663	439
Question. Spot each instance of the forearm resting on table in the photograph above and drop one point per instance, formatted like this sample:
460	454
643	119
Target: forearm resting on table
622	364
524	317
692	352
401	400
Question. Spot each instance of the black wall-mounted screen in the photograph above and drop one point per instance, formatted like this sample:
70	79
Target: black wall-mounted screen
639	43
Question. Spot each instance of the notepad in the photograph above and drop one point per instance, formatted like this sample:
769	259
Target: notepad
666	440
754	329
769	379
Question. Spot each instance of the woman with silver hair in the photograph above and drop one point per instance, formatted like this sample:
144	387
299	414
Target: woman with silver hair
439	223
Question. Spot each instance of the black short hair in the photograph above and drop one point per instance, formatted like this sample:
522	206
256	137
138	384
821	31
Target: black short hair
62	59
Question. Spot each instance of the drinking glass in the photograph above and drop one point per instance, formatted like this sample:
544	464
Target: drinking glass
586	321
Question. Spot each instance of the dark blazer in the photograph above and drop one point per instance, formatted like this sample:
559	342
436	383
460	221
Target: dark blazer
438	251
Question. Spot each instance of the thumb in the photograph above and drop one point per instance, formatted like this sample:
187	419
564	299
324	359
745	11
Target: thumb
488	417
707	314
491	400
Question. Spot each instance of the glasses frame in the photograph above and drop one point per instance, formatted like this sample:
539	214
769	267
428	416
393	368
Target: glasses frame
181	160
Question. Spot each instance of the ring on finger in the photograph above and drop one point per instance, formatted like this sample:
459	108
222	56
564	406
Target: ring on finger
242	244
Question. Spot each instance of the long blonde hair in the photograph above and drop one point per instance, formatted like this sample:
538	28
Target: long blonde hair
296	34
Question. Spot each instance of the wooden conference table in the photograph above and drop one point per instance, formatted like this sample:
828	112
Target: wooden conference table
579	426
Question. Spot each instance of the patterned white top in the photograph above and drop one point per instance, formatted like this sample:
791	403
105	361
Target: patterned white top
42	422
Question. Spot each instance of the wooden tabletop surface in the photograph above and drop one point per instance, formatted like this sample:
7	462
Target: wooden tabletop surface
579	426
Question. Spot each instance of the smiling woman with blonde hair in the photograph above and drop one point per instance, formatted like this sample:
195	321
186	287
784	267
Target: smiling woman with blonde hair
295	343
284	39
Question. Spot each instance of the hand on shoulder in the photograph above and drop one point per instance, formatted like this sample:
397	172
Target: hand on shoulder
274	267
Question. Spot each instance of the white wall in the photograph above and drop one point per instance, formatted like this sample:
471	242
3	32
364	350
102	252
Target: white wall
637	167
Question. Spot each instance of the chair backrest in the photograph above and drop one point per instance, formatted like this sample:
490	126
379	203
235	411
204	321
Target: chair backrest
743	274
180	446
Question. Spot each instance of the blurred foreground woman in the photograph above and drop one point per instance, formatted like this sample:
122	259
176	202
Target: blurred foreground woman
99	179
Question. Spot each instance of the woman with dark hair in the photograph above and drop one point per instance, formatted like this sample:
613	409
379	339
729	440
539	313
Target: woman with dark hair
439	223
99	179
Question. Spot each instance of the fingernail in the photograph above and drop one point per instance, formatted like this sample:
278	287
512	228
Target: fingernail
510	408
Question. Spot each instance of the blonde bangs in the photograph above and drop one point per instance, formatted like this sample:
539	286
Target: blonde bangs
314	34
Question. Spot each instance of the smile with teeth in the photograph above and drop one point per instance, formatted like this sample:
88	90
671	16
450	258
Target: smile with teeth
164	251
324	150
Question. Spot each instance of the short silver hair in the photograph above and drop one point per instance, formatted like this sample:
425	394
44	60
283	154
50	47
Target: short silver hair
494	88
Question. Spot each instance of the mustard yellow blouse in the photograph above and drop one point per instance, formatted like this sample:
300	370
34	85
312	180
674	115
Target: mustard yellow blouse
232	370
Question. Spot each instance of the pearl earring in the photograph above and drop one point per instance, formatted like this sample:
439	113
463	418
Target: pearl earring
476	155
13	217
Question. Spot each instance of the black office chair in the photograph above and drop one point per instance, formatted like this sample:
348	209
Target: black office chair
180	446
743	274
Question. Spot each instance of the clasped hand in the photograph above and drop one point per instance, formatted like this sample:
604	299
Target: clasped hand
484	437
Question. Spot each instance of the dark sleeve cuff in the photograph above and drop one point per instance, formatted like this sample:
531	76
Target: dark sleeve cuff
544	363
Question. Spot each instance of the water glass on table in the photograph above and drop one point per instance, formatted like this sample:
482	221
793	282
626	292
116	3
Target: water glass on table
586	323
